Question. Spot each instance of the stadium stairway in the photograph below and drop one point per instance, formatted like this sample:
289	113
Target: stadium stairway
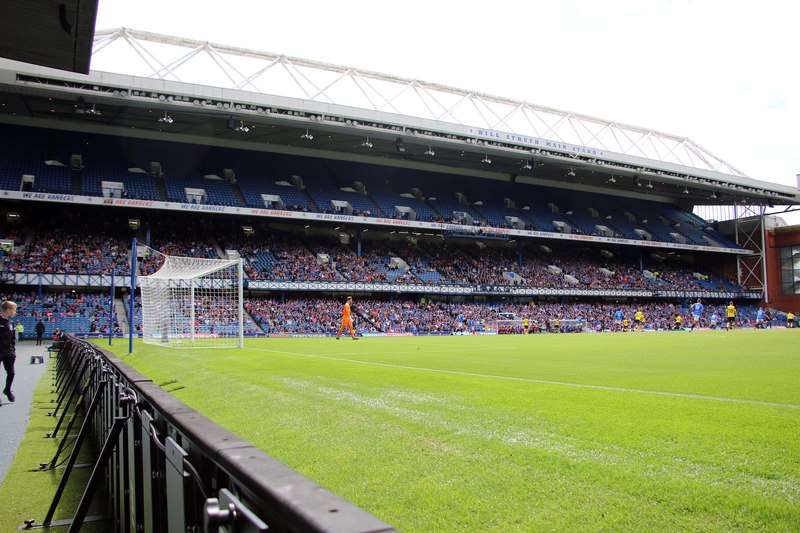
310	201
161	187
122	314
237	192
75	176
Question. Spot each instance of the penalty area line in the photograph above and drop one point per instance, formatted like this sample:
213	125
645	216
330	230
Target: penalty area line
538	381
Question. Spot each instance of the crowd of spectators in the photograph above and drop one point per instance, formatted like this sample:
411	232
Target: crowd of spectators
321	315
284	256
90	313
70	311
62	252
292	258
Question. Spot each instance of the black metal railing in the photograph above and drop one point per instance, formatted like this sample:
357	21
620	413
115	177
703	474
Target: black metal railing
166	467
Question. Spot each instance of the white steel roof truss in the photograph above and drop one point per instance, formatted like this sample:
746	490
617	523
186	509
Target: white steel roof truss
503	120
358	81
551	129
421	93
222	62
574	124
290	69
597	136
172	67
651	139
491	110
486	111
321	91
453	108
390	101
475	102
255	75
145	54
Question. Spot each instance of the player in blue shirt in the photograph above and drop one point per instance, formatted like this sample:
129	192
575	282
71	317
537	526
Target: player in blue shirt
761	316
460	327
618	318
697	312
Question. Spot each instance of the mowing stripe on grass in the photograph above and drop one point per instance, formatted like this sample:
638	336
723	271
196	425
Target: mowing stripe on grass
540	381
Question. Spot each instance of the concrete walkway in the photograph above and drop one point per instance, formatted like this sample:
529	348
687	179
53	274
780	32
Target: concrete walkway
14	416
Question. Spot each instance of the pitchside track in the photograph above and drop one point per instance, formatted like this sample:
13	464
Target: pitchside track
671	431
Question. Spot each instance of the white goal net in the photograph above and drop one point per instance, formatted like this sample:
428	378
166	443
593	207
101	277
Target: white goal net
192	302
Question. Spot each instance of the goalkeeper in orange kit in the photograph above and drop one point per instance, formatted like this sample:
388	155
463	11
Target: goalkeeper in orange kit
347	320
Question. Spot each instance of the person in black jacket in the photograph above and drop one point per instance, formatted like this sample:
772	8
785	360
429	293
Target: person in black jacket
39	332
8	346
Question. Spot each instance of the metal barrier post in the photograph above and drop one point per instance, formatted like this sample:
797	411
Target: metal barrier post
74	455
176	486
76	371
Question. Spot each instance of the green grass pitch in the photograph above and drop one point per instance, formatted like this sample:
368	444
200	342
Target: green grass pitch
669	431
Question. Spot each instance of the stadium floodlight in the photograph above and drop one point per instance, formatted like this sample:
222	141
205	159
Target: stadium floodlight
649	184
430	152
193	302
685	190
93	111
307	135
527	164
714	195
166	119
242	128
486	159
612	179
367	143
571	173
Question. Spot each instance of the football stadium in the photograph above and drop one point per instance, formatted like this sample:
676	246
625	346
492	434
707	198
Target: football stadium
563	323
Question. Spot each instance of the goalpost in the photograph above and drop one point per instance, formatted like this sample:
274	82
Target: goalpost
192	302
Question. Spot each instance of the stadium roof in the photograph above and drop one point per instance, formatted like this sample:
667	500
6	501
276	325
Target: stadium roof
162	57
204	92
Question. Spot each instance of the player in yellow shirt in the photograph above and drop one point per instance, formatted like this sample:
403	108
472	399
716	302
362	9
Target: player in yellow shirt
638	321
730	316
625	324
678	322
789	319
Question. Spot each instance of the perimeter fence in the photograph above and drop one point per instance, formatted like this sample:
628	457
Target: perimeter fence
165	467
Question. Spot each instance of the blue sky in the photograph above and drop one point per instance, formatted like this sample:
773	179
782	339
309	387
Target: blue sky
723	74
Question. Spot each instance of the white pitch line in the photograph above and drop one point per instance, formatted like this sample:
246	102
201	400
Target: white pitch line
540	381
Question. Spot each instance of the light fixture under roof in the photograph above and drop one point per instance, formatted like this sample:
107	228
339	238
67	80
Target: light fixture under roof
307	135
612	179
714	194
242	127
685	190
486	159
571	173
527	165
166	119
367	143
430	151
649	184
93	111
